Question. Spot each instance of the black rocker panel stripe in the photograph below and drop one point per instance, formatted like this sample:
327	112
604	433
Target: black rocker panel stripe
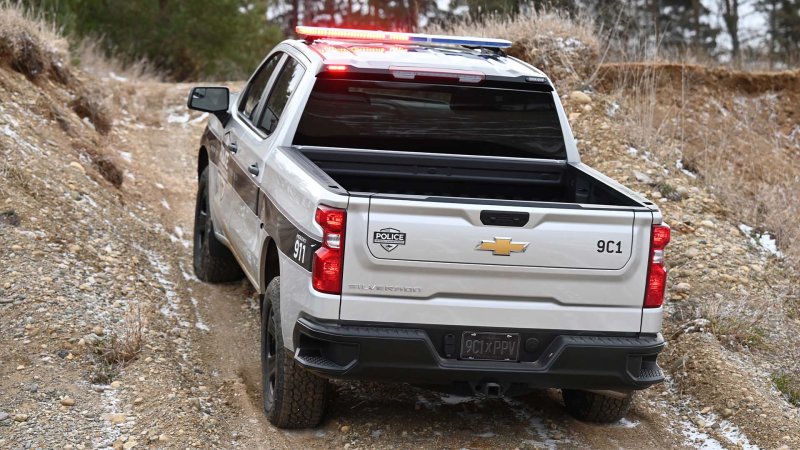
243	184
237	177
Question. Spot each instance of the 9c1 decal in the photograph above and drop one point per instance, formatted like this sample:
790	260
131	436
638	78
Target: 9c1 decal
609	246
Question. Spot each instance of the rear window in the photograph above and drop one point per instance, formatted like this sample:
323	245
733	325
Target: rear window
416	117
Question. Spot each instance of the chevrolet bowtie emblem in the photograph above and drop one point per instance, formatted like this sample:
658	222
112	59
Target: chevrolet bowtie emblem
502	246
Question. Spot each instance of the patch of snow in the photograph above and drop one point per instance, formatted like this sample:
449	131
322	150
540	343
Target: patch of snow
159	185
696	437
176	240
89	200
116	77
178	118
127	156
764	240
699	439
424	402
161	271
612	109
199	118
735	435
729	431
449	399
110	406
633	151
187	275
679	166
626	423
165	204
535	425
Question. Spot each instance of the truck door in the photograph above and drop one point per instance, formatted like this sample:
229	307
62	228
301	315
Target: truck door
253	137
239	199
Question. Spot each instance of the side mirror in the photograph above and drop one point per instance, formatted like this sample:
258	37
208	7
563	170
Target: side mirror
212	100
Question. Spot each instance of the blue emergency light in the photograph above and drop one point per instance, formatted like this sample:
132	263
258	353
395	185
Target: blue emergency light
390	36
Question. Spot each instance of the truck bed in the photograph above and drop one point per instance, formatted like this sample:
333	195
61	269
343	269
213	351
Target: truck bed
404	173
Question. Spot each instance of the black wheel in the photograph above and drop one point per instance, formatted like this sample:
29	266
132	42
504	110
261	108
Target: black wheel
293	397
597	408
212	261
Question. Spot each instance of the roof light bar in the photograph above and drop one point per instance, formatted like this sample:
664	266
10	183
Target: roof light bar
370	35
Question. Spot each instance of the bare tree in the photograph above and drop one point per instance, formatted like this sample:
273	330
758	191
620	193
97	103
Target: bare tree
730	16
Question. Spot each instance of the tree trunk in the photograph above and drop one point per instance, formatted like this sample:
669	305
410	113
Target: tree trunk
697	41
730	15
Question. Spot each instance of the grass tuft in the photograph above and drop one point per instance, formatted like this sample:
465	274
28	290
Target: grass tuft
90	105
30	45
118	348
788	385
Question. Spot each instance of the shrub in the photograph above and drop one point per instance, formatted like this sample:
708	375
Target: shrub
31	46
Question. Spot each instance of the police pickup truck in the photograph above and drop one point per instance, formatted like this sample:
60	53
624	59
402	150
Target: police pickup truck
413	209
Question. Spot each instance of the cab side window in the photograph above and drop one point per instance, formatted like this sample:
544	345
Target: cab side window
252	94
286	83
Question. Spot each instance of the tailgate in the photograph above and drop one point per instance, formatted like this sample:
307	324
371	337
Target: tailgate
555	237
437	261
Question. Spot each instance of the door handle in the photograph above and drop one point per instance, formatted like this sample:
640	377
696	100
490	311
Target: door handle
233	147
505	218
253	169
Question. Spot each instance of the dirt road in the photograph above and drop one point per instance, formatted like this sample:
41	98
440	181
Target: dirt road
362	415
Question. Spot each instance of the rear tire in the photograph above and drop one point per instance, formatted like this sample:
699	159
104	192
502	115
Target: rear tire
293	397
594	407
212	261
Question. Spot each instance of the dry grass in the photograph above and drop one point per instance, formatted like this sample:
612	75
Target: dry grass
119	347
737	130
789	385
109	169
645	117
30	45
735	322
93	105
16	177
93	60
565	48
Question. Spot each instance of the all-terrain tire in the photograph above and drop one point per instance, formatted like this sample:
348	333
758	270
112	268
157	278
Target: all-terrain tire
594	407
293	397
212	261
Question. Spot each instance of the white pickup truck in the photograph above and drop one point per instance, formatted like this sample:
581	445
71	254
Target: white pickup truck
413	209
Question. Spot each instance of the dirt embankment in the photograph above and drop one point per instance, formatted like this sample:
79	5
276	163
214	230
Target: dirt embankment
694	76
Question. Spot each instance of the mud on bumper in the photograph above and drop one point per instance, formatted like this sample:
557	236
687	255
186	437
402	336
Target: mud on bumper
428	355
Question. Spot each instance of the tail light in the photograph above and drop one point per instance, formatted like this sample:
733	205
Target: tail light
326	272
656	273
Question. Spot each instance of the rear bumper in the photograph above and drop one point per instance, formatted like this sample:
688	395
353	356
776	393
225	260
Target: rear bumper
426	356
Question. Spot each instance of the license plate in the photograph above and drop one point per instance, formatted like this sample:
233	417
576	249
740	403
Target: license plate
490	346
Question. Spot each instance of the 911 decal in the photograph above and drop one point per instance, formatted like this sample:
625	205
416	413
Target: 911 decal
302	251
